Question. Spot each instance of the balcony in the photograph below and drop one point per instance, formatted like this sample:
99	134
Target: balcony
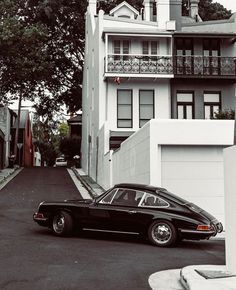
139	64
206	66
168	66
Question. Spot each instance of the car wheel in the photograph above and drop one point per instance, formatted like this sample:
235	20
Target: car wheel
62	224
162	233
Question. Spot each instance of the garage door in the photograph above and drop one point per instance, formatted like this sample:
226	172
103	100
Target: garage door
196	174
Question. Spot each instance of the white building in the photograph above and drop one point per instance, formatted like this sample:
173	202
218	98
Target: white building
151	85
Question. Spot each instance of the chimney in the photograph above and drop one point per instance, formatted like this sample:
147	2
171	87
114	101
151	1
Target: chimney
147	10
168	10
194	9
176	13
93	6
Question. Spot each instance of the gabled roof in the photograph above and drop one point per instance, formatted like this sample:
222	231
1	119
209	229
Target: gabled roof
122	4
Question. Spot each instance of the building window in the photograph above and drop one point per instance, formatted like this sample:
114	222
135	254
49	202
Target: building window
212	104
211	53
124	109
146	106
184	59
150	47
121	47
185	105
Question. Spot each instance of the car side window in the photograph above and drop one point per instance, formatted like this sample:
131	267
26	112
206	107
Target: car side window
109	197
127	197
151	200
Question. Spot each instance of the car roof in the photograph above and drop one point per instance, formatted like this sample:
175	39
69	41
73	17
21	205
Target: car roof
158	190
140	186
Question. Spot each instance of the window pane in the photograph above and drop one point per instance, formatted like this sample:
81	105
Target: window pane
206	52
108	197
125	47
124	96
124	112
207	112
152	200
188	52
154	45
184	97
145	47
124	124
180	112
215	53
189	112
146	97
216	110
117	47
142	122
146	112
211	98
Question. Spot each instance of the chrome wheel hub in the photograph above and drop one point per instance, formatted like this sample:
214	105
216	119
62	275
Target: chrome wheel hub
161	233
58	224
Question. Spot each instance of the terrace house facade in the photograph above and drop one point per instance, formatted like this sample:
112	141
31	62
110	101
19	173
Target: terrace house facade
153	81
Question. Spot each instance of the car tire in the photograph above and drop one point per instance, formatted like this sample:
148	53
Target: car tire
62	224
162	234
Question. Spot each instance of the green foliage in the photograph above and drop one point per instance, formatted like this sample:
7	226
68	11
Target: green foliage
70	146
63	130
47	151
226	114
208	10
21	58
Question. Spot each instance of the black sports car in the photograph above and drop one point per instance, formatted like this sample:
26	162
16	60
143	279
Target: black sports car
154	212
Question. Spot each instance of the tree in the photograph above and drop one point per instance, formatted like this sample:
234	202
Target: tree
70	146
226	114
208	10
63	130
65	25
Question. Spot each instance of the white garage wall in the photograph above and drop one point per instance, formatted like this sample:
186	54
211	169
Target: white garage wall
196	174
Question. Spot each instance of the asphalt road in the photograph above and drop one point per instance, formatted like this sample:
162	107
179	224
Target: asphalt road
32	258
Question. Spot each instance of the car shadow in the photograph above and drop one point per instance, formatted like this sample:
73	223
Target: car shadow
129	238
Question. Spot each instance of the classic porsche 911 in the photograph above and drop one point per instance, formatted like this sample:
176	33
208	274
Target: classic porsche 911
153	212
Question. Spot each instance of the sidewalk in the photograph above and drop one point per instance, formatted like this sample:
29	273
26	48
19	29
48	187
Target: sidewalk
7	174
196	277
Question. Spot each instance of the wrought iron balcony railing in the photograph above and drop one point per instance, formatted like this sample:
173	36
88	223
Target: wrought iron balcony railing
139	64
177	65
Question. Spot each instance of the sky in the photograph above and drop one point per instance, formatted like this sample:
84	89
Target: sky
229	4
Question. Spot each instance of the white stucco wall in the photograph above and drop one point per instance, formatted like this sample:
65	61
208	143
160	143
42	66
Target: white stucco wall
131	163
196	171
230	206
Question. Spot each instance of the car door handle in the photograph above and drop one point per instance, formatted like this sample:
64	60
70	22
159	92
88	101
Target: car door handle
132	211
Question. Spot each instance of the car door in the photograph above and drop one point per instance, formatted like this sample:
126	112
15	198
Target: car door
134	215
98	215
124	213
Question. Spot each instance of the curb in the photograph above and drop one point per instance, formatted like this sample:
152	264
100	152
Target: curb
85	184
8	178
